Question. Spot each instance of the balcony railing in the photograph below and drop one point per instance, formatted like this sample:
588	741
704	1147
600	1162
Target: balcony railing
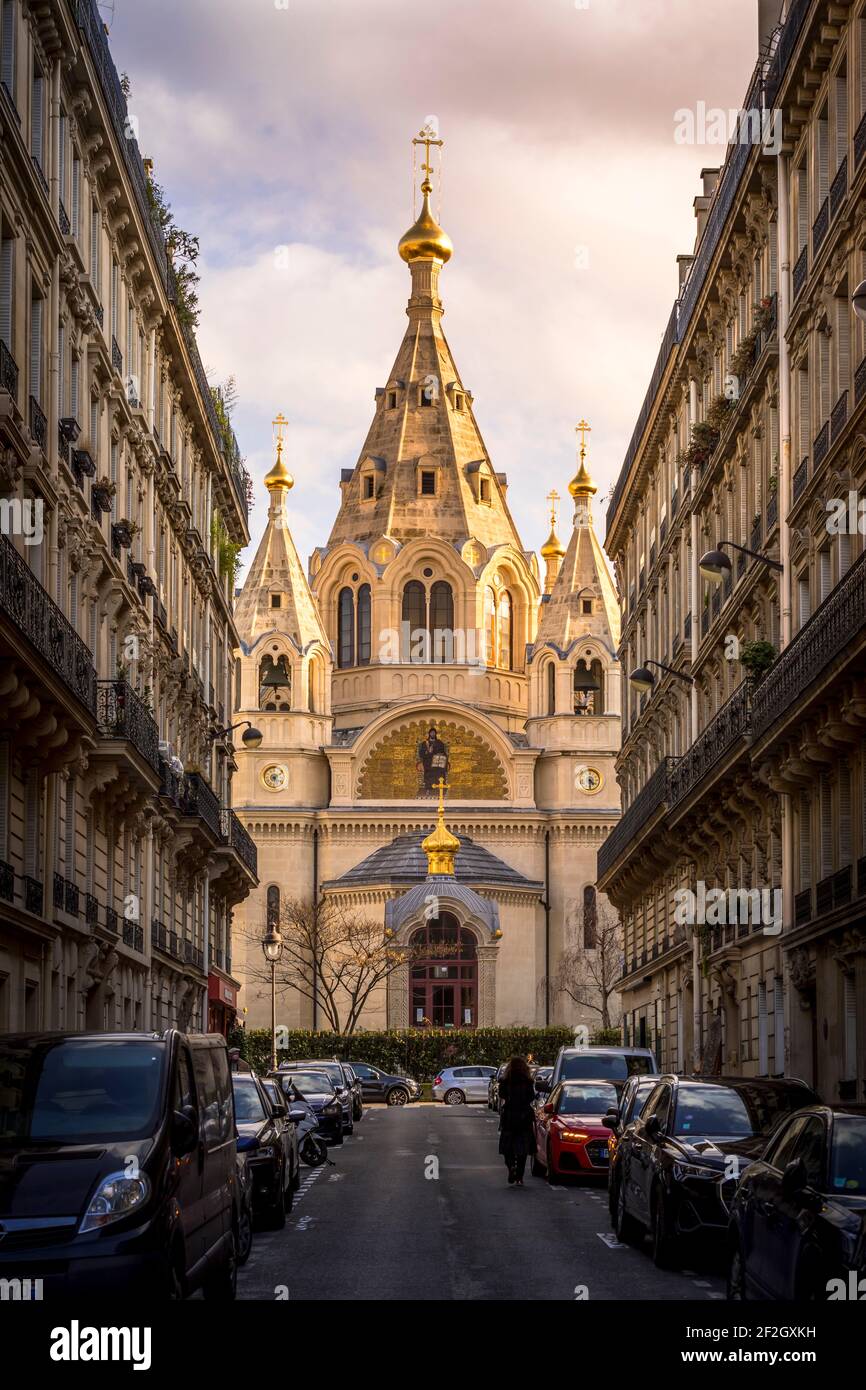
170	782
8	372
756	536
772	510
860	142
655	794
133	936
239	839
91	910
38	424
37	617
7	881
63	219
729	725
821	226
860	382
840	618
33	895
821	445
116	357
121	713
839	188
198	799
801	478
839	417
801	270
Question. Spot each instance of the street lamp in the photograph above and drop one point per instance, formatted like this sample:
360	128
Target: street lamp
642	678
272	947
251	739
858	300
715	564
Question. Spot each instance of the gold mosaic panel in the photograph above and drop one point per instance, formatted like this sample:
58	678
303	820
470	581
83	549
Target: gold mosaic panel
391	771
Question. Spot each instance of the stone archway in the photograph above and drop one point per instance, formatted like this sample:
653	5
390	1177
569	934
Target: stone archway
405	985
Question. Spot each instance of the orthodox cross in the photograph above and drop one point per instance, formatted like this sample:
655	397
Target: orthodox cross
583	429
553	499
442	787
279	424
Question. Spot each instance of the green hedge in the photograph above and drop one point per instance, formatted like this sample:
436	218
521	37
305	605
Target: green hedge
420	1052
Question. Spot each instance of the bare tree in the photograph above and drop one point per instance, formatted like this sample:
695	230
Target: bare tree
332	955
590	966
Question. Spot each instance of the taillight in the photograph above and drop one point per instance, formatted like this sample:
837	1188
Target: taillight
438	1081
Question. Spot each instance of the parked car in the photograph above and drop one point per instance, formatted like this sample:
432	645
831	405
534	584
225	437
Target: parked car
680	1161
798	1217
631	1101
493	1087
318	1090
614	1064
392	1088
353	1081
341	1079
569	1136
118	1175
457	1085
245	1208
541	1080
269	1140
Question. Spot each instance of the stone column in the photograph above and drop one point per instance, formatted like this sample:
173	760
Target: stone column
486	985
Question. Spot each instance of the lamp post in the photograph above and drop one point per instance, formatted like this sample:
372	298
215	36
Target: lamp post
715	564
642	678
272	946
251	739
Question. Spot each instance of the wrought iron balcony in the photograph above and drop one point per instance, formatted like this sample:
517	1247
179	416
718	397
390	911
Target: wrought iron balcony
122	714
91	909
170	782
821	226
801	478
197	799
839	188
757	535
838	621
7	881
193	955
687	628
860	382
839	417
821	445
133	936
801	270
37	618
8	372
654	794
33	895
63	219
38	424
802	907
66	895
729	725
772	511
112	921
116	357
238	838
40	175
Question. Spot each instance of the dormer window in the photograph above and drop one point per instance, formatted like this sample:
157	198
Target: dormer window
276	600
458	400
368	486
428	484
392	400
587	605
484	491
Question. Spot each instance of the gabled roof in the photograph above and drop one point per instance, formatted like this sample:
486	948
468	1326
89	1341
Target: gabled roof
404	861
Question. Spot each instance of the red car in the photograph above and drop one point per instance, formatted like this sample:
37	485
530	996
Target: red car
569	1135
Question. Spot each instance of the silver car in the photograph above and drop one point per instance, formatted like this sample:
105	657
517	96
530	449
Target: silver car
457	1085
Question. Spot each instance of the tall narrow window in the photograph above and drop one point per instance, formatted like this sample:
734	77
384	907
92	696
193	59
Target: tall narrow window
95	259
37	119
805	844
778	1027
849	1016
842	338
7	48
506	638
442	622
346	623
365	625
75	209
7	263
763	1038
551	687
414	619
36	307
822	157
273	906
490	627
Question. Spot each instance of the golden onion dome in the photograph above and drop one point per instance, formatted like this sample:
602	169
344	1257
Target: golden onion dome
279	476
440	846
553	549
581	484
426	240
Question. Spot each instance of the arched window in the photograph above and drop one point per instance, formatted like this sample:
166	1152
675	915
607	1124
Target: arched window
588	701
311	686
551	687
273	908
414	620
275	684
505	658
346	639
490	627
364	625
590	919
444	975
441	622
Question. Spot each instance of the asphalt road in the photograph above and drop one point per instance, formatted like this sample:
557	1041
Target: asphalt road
376	1226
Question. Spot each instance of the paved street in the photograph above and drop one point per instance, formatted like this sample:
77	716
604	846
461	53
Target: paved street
374	1227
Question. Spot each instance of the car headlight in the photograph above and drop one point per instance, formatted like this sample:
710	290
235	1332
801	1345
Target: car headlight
694	1170
115	1197
575	1136
332	1109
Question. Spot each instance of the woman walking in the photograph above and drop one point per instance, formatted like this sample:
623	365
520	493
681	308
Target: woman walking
516	1118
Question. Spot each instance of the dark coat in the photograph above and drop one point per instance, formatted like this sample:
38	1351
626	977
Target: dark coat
517	1117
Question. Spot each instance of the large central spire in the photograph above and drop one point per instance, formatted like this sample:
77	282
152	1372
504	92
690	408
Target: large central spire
424	469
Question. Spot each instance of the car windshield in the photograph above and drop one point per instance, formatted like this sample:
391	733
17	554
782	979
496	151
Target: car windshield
724	1112
316	1082
332	1069
586	1100
80	1089
595	1066
248	1102
848	1162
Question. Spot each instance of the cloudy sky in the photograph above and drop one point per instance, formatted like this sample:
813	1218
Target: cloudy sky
281	131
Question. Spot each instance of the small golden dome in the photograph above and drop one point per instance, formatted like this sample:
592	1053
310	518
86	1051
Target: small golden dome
279	476
440	846
426	240
581	484
553	549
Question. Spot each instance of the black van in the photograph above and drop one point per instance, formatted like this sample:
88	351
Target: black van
117	1164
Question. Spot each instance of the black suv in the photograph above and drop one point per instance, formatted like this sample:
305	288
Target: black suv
381	1085
680	1161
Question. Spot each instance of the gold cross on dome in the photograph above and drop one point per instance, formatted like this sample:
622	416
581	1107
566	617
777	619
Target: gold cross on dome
442	787
427	136
583	429
553	499
280	424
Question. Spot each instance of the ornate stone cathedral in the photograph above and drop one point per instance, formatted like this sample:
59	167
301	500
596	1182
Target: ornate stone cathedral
423	645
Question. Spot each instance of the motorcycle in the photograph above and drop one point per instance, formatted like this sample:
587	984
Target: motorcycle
311	1148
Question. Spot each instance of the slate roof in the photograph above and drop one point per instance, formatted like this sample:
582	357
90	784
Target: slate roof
404	861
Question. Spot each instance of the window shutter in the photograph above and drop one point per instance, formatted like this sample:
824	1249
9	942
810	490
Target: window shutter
823	154
69	831
849	1008
4	800
824	359
75	214
73	387
94	627
36	350
805	846
843	346
114	298
825	575
825	810
805	414
802	209
73	601
841	94
61	155
778	1027
845	849
763	1049
7	64
774	258
37	119
113	471
89	860
61	357
805	607
862	63
95	232
843	541
7	264
31	823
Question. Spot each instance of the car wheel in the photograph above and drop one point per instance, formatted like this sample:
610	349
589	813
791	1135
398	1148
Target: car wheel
276	1216
628	1231
664	1246
222	1285
552	1175
350	1127
245	1233
454	1097
736	1286
613	1188
398	1096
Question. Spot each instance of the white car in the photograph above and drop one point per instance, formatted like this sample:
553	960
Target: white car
457	1085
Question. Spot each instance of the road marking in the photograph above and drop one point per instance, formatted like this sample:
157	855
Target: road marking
610	1240
304	1222
336	1177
